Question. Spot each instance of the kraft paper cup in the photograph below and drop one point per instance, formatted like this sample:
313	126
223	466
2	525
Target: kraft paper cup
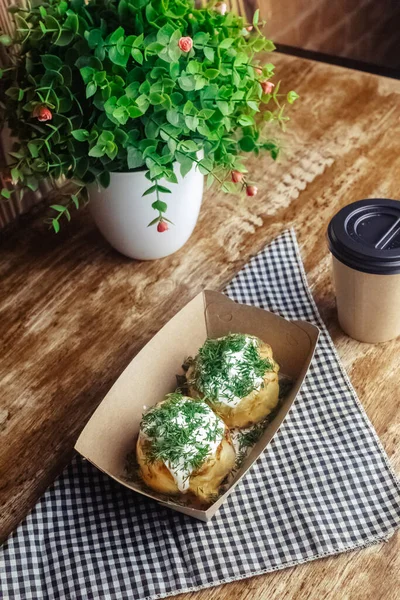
364	239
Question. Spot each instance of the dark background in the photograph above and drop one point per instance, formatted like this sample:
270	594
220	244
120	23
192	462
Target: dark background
360	33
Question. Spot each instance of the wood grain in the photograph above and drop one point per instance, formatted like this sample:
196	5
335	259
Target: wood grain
73	312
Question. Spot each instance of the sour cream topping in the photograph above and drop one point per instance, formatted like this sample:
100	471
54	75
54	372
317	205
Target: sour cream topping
235	371
183	434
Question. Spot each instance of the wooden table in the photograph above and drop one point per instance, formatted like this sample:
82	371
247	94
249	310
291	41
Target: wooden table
74	312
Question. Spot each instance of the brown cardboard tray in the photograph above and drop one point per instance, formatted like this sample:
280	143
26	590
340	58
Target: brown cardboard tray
110	435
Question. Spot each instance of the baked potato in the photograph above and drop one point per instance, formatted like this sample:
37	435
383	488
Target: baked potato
184	447
237	376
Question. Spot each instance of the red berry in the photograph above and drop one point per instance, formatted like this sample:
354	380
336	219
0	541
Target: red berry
42	113
267	87
237	176
251	190
185	44
162	226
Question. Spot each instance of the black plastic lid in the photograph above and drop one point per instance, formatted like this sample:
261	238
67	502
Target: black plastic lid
365	236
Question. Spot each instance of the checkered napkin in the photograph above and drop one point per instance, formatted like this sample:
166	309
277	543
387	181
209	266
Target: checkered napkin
323	486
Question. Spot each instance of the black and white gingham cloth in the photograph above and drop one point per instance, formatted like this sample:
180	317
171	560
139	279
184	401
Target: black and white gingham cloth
323	486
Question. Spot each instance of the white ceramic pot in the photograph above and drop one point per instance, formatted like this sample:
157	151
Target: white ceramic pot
122	213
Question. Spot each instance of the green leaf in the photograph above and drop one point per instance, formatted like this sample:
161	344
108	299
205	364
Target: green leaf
211	73
269	46
247	143
176	98
121	114
223	107
75	200
89	61
210	180
188	107
292	96
134	158
56	225
150	190
105	136
256	17
132	89
117	58
193	67
246	121
32	183
63	7
253	105
104	179
191	122
185	161
50	61
72	22
5	40
258	45
205	166
6	193
155	98
163	189
209	53
200	39
13	93
173	117
159	205
81	135
87	74
206	113
165	33
121	137
22	25
34	147
155	171
135	112
189	146
154	221
66	72
268	115
139	40
226	43
100	77
230	187
154	47
187	82
116	35
91	89
65	38
94	38
137	55
58	207
97	151
174	70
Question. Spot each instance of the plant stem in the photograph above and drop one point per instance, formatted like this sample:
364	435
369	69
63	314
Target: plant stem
191	158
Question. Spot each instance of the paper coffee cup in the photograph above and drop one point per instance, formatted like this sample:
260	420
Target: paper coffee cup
364	239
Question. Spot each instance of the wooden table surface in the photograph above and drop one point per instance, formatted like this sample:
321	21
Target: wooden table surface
73	312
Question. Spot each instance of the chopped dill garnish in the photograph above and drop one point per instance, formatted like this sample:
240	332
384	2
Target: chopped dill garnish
230	367
181	431
251	437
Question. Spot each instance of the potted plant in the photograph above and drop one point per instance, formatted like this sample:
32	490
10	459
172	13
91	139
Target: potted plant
135	101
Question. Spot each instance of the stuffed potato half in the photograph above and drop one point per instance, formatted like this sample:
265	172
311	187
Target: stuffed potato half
184	447
238	377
